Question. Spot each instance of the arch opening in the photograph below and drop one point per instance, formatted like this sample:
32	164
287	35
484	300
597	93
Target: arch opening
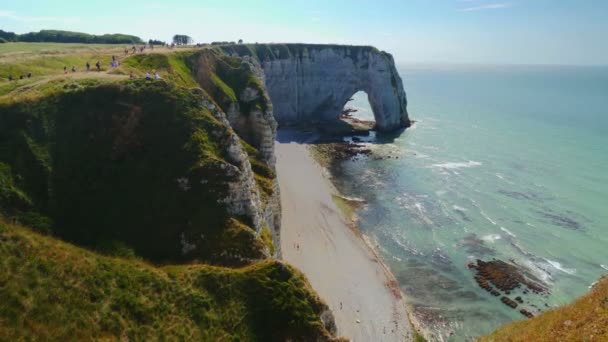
358	110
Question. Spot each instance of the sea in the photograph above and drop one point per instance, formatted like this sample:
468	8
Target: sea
503	162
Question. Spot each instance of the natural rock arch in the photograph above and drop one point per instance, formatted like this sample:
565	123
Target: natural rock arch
312	83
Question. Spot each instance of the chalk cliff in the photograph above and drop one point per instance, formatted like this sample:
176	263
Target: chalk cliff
312	83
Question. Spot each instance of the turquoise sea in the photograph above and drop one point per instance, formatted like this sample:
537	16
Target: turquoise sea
505	162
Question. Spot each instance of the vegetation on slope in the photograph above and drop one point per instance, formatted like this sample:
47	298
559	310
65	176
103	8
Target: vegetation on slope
125	166
223	79
136	161
51	290
584	320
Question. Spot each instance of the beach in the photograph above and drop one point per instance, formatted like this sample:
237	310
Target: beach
341	267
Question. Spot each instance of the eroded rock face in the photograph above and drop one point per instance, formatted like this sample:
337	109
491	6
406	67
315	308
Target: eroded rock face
312	83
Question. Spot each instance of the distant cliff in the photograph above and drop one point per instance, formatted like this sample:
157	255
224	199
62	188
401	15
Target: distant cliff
312	83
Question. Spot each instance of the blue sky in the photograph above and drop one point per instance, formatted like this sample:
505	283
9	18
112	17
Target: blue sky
420	31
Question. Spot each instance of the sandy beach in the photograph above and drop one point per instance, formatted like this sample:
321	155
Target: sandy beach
339	264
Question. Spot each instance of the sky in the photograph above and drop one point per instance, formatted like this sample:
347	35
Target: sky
569	32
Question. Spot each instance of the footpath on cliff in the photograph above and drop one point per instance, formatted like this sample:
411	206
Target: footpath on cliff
316	238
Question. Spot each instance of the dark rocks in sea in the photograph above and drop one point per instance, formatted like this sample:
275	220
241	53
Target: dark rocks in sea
509	302
504	276
519	300
526	313
346	151
560	219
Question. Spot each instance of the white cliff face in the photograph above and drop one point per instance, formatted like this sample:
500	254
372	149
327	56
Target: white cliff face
312	83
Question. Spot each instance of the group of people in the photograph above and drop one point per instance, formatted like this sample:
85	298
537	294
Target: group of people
149	76
114	64
141	49
10	77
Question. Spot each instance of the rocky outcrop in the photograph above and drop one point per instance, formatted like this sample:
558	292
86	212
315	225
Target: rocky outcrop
236	85
312	83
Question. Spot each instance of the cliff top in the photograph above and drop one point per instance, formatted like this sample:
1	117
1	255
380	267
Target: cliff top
272	51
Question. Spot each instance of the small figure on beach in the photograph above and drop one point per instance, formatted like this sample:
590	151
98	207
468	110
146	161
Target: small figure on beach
157	76
65	69
98	65
148	77
73	68
141	49
126	51
134	50
298	246
340	305
88	67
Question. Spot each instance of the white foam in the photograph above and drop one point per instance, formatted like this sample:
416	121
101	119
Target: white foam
458	208
530	224
490	237
559	267
604	267
500	176
488	217
539	271
508	231
457	165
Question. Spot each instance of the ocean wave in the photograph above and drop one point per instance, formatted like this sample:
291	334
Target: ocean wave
604	267
510	233
490	237
539	270
458	208
487	217
558	266
457	165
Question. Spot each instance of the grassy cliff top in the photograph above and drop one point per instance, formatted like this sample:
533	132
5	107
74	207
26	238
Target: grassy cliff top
52	290
584	320
265	52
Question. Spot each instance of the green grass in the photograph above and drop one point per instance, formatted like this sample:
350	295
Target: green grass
51	290
584	320
100	160
44	59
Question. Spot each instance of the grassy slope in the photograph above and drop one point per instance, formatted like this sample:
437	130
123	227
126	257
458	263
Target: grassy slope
584	320
51	290
96	154
175	66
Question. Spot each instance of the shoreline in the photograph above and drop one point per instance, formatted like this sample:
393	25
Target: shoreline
339	261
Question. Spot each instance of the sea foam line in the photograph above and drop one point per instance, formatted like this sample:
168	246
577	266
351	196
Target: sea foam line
457	165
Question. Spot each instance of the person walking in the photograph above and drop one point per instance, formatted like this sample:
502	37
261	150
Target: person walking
65	69
88	67
73	68
98	65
